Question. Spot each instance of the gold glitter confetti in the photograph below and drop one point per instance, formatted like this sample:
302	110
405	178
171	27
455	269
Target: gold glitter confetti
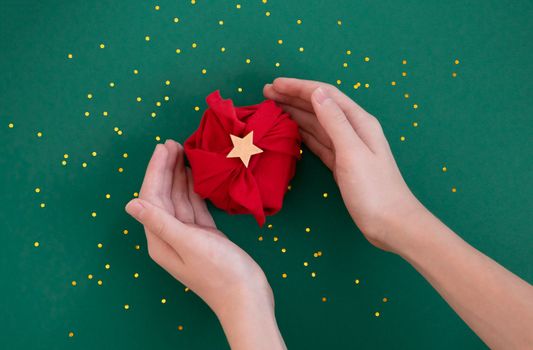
100	245
260	238
180	328
37	190
194	45
357	281
393	83
456	62
454	189
204	71
107	266
284	275
402	138
70	334
163	301
298	21
176	19
270	226
147	38
125	232
221	22
283	250
404	61
126	307
280	41
376	313
301	49
454	74
89	96
222	49
385	300
93	214
415	124
74	283
306	263
36	244
307	229
248	61
99	282
267	13
277	64
135	71
156	7
313	274
367	59
90	276
102	46
42	205
404	74
69	56
339	22
325	195
444	169
178	51
136	275
324	299
406	95
10	125
167	83
415	106
112	84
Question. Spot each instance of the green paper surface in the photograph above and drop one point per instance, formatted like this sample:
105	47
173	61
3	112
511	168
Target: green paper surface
477	124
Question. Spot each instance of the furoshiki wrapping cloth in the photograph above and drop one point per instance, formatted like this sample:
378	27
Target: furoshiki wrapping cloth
242	158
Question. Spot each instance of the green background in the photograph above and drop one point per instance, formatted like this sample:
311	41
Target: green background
478	125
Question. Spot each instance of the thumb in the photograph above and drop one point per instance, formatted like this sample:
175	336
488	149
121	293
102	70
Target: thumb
157	221
334	121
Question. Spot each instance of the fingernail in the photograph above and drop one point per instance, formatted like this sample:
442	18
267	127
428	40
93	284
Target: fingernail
134	207
268	85
320	95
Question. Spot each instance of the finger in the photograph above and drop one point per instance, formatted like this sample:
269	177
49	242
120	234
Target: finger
364	124
153	183
158	221
202	216
308	122
325	154
270	93
335	123
173	149
180	192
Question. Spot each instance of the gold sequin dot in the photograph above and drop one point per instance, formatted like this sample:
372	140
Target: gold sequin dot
136	275
186	289
193	2
93	214
325	195
87	114
357	281
36	244
139	99
260	238
135	194
84	164
376	313
119	132
194	45
163	301
99	245
153	114
339	22
402	138
126	307
404	61
385	300
277	64
157	7
284	250
180	328
393	83
176	19
111	84
125	155
37	190
324	299
74	283
444	169
39	134
42	205
70	334
415	106
454	189
275	238
307	229
125	232
339	81
147	38
107	266
456	62
284	275
70	56
239	89
196	108
348	52
166	98
178	51
94	154
204	71
267	13
280	41
120	170
222	49
313	274
167	83
137	247
89	96
99	282
102	46
63	162
90	276
221	22
248	61
367	59
158	138
65	155
298	21
270	226
415	124
404	74
345	65
301	49
105	113
306	263
135	71
406	95
10	125
454	74
367	85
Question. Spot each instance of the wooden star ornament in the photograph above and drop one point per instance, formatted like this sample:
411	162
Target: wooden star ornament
244	148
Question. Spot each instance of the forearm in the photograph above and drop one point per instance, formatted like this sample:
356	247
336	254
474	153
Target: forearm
495	303
251	325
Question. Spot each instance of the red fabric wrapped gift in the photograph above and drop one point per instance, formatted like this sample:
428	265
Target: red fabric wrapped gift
242	158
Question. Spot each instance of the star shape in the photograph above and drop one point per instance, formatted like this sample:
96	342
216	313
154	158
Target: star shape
244	148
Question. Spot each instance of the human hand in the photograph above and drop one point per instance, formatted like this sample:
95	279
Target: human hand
183	239
351	143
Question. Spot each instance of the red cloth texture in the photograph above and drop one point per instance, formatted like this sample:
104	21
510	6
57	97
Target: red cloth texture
231	186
